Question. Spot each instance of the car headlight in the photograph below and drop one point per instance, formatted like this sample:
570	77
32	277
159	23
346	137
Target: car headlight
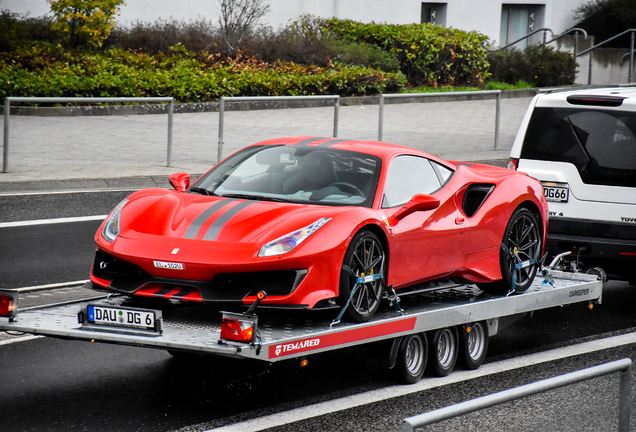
112	225
288	242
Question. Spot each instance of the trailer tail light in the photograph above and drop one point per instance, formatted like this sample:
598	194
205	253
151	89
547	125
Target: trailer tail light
241	327
238	327
513	164
8	303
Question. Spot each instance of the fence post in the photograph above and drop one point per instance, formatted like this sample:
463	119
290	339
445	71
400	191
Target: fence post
631	58
335	117
497	114
170	112
381	119
589	74
5	149
220	144
624	398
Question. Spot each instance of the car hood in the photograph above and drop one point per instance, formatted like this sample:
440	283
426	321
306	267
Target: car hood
166	213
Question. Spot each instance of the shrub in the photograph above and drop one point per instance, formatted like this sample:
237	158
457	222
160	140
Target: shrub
538	65
16	29
45	70
427	54
196	36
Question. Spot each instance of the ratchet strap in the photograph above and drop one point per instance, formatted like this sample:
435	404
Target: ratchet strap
359	281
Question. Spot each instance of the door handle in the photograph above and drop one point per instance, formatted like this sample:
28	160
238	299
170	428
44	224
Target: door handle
459	220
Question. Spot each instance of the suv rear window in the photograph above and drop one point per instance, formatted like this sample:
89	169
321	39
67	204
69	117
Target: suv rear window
600	143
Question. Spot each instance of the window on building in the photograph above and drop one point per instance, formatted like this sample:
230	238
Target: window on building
434	13
519	20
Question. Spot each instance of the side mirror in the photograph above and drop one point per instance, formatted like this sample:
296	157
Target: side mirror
180	181
419	202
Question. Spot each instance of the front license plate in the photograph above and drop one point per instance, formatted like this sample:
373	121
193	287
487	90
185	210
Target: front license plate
122	317
169	265
556	194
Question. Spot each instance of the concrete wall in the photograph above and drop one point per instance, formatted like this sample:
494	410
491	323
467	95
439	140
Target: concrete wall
607	67
480	15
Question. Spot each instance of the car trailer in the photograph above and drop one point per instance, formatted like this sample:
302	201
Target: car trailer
430	330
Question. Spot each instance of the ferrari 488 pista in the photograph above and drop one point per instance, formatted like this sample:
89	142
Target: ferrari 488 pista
324	222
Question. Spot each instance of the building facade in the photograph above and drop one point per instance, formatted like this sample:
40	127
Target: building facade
502	21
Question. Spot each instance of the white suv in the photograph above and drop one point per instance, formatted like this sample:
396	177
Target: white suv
581	145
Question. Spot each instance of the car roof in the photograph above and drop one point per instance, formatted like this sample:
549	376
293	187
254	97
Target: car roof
559	99
381	149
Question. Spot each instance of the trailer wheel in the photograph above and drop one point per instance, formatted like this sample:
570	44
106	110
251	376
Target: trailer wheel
522	239
473	345
364	257
411	358
442	355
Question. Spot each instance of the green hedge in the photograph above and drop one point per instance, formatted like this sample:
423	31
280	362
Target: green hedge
538	65
41	69
428	54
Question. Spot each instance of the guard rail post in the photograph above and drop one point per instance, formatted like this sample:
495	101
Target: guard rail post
624	366
5	146
223	100
497	94
7	115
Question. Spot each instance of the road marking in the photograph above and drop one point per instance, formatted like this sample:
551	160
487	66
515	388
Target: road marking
51	221
20	339
72	191
353	401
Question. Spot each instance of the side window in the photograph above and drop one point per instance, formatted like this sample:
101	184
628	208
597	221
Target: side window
443	173
407	176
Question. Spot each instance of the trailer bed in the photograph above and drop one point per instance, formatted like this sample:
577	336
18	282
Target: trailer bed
195	328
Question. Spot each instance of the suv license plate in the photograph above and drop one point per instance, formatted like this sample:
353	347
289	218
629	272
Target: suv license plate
556	194
122	317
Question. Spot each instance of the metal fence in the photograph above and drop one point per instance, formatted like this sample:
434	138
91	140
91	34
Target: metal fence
77	100
496	93
223	101
623	366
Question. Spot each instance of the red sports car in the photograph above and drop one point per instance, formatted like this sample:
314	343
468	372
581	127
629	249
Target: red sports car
324	222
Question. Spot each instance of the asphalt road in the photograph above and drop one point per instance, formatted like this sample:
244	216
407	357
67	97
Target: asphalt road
59	385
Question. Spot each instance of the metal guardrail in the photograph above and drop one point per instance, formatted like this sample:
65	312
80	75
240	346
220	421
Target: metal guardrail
496	93
631	54
623	366
7	115
223	100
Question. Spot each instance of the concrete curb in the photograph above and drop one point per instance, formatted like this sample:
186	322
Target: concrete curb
127	110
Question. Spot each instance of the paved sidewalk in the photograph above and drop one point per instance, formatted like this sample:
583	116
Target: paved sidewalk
53	153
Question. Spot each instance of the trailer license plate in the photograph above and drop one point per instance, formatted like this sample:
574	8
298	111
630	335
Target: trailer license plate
122	317
556	194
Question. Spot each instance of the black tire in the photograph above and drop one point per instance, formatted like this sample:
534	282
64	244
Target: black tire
364	256
473	345
443	349
522	239
411	358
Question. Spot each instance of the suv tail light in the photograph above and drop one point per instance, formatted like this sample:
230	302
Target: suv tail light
513	164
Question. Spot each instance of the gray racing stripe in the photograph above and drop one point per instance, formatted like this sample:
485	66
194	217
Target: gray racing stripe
200	220
218	224
307	141
332	142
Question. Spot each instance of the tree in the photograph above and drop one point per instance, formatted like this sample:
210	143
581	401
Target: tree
606	18
86	21
237	20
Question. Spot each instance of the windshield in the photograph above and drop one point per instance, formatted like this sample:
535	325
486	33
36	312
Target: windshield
600	143
313	175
